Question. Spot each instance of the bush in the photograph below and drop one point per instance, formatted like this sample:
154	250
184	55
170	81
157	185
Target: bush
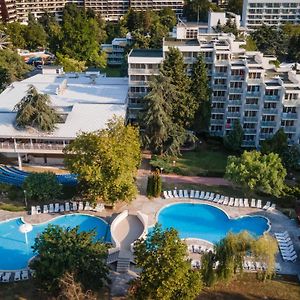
42	186
154	185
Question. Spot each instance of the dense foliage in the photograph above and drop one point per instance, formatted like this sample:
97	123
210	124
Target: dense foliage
233	140
256	171
34	110
166	273
42	186
154	185
197	10
106	162
61	250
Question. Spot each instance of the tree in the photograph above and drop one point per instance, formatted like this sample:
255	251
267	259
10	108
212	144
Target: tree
81	37
230	253
106	162
207	268
277	143
166	273
4	79
233	140
42	186
196	10
254	170
235	6
264	250
34	110
250	44
291	157
34	34
201	93
70	64
184	108
154	185
16	32
65	250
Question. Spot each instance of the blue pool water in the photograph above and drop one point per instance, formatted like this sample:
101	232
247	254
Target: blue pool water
15	254
207	222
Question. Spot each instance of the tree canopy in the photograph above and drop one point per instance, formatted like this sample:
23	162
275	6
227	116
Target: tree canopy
166	273
235	6
233	140
106	162
34	110
256	171
65	250
42	186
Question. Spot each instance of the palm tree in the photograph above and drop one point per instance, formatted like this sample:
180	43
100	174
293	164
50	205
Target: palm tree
4	40
34	110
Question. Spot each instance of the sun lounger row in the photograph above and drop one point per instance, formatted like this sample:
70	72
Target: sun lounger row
65	207
14	276
217	198
286	246
199	249
196	264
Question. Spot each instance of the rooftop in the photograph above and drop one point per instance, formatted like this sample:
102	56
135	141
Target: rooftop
146	53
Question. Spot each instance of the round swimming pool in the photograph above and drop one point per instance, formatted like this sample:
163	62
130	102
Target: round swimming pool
207	222
15	253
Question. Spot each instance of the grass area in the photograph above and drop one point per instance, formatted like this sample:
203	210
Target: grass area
12	207
248	288
112	71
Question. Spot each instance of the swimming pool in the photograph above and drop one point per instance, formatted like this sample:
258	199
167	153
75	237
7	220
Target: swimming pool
15	253
207	222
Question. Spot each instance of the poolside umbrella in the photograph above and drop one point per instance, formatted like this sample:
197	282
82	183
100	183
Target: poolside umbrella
25	228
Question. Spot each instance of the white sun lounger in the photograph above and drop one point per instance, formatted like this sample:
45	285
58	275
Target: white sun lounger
206	196
56	208
217	197
272	207
268	204
211	197
166	196
253	204
80	205
241	202
6	277
246	202
258	205
286	248
284	234
231	201
51	208
62	208
74	206
290	258
226	200
170	194
185	194
175	194
283	240
236	202
45	209
221	200
24	275
180	193
87	206
33	210
192	194
67	206
99	207
17	276
197	193
38	210
202	195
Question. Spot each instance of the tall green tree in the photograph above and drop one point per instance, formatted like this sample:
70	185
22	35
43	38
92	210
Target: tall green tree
70	64
106	162
235	6
202	94
34	35
278	143
4	79
42	186
256	171
183	109
35	110
16	32
196	10
233	140
61	250
165	272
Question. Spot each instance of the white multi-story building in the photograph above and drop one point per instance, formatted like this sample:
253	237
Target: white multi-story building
270	12
84	101
245	86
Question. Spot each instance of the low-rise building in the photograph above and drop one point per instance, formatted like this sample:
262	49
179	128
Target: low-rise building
85	102
245	85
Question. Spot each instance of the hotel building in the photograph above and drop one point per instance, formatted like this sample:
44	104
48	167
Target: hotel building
270	12
245	86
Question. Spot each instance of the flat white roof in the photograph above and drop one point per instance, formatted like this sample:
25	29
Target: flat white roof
89	103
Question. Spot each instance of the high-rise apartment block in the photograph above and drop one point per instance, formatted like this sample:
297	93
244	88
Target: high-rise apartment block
18	10
270	12
246	86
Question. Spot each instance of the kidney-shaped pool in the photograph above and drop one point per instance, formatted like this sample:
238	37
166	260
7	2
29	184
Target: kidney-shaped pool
15	253
207	222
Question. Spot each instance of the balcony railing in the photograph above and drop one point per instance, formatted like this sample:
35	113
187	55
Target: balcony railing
219	86
250	119
234	102
237	77
268	123
290	116
272	97
216	122
32	146
252	94
218	98
236	90
233	114
249	130
270	111
220	74
218	110
290	129
248	144
251	107
265	136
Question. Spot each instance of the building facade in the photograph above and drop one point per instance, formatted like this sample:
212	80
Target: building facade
246	86
18	10
270	12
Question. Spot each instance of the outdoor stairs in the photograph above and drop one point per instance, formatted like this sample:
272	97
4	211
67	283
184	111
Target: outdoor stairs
113	257
123	264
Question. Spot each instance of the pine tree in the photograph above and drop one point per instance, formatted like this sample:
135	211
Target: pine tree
233	140
184	108
201	92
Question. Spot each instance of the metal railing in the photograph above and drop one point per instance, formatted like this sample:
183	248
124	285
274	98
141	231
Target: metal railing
33	146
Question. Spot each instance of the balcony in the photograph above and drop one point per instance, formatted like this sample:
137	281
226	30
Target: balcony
237	78
220	74
137	94
218	110
54	148
272	98
236	91
218	98
248	144
234	102
219	87
231	114
216	133
251	107
289	116
268	123
250	130
216	121
136	106
250	119
265	136
270	111
253	94
289	129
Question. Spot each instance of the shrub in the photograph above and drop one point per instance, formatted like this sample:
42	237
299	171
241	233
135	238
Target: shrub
154	185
